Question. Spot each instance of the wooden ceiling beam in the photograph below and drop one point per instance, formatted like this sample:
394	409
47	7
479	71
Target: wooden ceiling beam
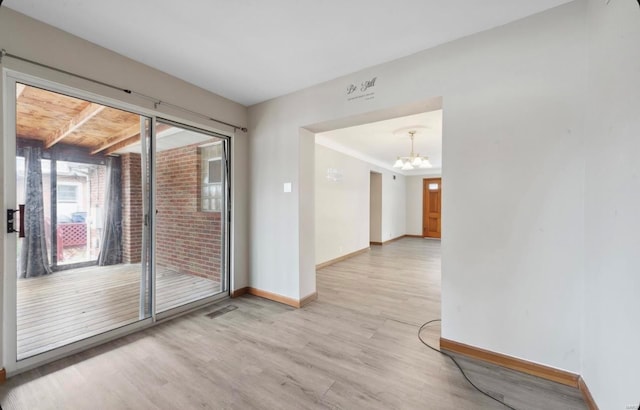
134	139
121	136
122	144
73	124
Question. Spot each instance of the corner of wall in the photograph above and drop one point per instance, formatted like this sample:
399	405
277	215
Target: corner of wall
306	215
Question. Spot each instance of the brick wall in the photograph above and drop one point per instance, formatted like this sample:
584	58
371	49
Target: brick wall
188	240
132	214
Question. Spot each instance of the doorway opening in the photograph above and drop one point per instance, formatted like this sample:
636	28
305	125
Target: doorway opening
361	200
362	197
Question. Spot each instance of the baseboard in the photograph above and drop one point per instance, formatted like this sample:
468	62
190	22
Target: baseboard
513	363
395	239
3	376
239	292
341	258
308	299
586	394
275	297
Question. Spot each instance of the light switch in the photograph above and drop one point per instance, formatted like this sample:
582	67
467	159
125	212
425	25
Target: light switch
287	187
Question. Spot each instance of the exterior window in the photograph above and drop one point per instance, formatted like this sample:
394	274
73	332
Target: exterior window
67	193
212	175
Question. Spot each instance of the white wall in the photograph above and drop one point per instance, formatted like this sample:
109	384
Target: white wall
394	200
342	207
612	213
513	102
34	40
375	207
414	205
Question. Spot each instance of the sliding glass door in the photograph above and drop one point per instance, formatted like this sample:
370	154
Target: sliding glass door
191	204
114	220
81	201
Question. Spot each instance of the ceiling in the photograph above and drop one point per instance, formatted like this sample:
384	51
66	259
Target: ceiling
54	118
251	51
381	142
57	119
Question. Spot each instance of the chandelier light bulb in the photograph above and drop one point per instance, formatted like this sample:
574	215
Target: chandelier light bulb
413	160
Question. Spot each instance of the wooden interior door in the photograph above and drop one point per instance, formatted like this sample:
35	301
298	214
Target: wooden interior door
431	207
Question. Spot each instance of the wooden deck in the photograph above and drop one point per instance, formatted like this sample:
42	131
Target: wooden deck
68	306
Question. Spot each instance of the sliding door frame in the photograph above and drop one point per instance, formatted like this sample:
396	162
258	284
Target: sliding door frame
10	77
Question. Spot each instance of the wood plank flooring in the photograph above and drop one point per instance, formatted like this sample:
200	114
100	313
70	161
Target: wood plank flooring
356	347
68	306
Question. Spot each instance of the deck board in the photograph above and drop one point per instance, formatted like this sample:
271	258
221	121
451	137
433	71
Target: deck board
68	306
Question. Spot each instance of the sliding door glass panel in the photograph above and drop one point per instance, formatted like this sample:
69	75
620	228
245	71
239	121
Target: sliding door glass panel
82	177
191	187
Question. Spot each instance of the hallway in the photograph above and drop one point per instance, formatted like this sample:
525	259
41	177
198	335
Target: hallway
354	348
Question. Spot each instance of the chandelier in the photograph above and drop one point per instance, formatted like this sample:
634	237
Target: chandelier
413	160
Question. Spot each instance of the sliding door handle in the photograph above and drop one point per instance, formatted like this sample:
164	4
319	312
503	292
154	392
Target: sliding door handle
11	220
21	229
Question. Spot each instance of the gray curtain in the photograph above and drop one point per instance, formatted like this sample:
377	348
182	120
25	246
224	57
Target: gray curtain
33	255
111	242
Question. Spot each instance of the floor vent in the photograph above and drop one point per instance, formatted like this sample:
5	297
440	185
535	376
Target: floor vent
222	311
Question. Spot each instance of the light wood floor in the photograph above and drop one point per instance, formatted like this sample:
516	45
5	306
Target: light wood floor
354	348
68	306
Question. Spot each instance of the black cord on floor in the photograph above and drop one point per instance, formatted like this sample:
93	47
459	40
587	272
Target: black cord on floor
456	363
